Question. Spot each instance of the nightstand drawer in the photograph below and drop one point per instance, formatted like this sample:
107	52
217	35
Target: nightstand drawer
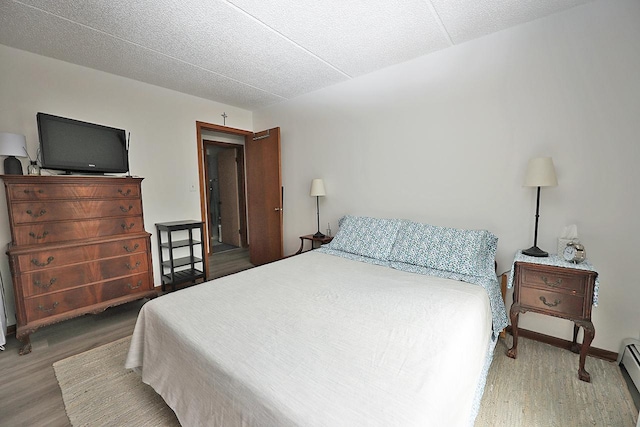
552	302
553	280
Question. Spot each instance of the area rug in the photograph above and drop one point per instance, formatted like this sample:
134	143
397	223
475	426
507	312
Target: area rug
539	388
98	391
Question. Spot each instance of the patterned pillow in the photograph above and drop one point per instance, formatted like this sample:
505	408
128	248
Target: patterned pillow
469	252
369	237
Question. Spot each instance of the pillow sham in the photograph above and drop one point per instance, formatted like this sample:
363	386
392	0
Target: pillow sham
470	252
366	236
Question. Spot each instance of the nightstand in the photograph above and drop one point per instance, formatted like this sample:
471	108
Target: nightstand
554	287
313	240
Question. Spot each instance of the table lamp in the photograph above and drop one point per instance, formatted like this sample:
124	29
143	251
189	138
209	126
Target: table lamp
540	173
317	190
12	145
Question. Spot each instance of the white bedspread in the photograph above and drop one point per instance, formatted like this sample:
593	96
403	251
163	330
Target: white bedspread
316	340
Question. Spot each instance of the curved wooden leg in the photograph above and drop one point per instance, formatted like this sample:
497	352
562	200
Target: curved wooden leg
575	347
589	334
25	348
301	246
514	314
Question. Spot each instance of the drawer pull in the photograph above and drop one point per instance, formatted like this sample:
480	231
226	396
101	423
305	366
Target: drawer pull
550	304
557	283
135	247
33	191
130	286
127	227
45	285
48	310
37	215
124	193
42	264
125	210
133	267
42	236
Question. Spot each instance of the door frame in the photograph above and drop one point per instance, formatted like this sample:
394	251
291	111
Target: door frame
202	167
242	196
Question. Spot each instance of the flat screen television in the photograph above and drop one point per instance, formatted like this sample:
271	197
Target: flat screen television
74	146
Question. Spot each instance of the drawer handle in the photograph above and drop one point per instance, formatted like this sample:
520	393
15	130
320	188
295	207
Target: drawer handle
124	193
557	283
48	310
42	264
37	215
133	267
33	191
125	210
130	286
45	285
127	227
550	304
42	236
135	247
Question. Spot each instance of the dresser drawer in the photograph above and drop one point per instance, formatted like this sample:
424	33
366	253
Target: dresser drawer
57	257
57	190
553	279
552	302
40	307
55	232
56	279
39	211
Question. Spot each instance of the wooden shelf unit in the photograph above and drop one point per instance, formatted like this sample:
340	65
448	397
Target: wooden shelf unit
170	271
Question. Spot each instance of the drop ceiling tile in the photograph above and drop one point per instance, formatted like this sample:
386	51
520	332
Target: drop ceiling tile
469	19
208	34
69	42
356	37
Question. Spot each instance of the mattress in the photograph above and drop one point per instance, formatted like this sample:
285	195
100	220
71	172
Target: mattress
317	340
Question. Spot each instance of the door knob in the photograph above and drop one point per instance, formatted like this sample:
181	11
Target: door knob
277	209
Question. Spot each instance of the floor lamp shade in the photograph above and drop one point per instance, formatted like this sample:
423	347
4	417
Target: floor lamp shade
317	190
12	145
540	173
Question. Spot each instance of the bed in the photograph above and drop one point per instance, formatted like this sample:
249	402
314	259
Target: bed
364	331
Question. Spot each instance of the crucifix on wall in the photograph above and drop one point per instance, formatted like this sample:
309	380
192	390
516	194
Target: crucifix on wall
224	118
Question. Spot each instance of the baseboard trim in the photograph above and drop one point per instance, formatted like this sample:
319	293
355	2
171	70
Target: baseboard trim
557	342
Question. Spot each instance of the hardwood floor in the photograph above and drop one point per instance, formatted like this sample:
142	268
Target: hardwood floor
29	392
228	262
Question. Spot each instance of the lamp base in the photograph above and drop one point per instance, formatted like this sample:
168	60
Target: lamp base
535	251
12	166
319	235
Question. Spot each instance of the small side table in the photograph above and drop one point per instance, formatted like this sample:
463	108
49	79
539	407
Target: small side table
313	240
562	290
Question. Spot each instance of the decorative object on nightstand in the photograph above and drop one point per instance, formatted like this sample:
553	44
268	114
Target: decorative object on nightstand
317	190
554	287
12	145
574	252
313	239
540	173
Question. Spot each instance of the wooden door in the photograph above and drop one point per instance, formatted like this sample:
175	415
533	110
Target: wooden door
229	196
264	196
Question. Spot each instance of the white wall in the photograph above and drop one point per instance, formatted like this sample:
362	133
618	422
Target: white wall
445	138
162	125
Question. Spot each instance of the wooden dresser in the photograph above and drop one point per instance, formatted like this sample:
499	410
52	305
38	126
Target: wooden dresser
78	246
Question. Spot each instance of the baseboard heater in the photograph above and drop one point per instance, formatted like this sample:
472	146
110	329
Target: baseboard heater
630	358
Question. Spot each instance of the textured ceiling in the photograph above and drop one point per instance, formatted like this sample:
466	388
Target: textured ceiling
252	53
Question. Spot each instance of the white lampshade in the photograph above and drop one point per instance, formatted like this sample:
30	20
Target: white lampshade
541	173
12	144
317	188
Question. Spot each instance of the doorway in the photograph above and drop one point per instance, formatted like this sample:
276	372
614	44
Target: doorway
254	215
226	199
